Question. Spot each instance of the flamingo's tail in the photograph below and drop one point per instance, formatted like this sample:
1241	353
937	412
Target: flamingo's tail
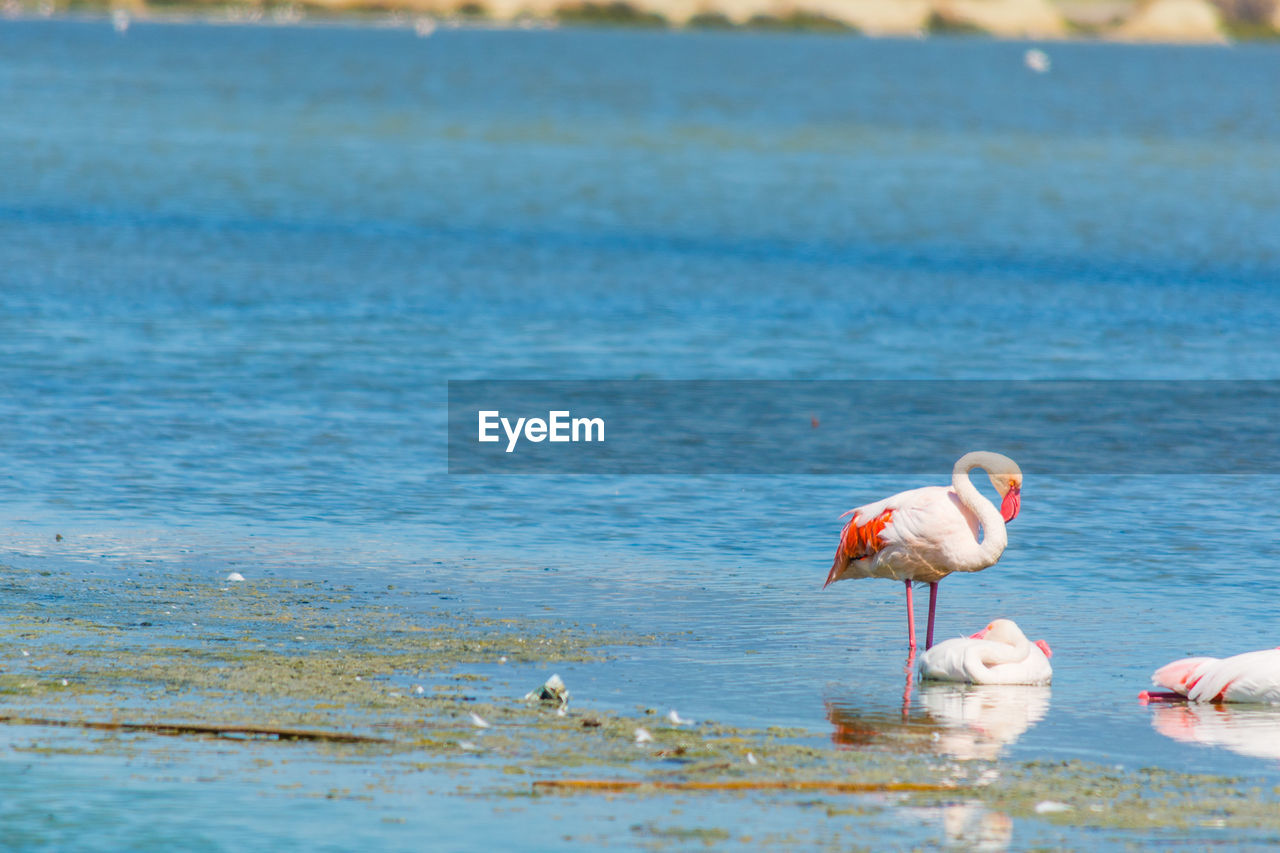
1180	675
857	542
837	566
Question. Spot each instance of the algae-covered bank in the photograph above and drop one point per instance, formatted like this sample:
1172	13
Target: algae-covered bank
248	712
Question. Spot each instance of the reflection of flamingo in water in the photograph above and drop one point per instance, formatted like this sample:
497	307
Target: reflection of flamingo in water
965	722
1254	732
973	826
926	534
979	722
1250	677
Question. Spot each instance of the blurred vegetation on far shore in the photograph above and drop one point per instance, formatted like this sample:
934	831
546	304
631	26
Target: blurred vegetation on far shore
1244	20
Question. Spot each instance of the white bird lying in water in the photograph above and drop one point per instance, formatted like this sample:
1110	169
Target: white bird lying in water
1250	677
998	654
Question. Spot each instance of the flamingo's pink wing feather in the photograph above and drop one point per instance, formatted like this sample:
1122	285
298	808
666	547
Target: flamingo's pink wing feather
913	530
1248	677
1178	675
859	539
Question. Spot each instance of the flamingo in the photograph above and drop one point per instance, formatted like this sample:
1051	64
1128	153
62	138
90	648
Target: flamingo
1249	677
926	534
998	654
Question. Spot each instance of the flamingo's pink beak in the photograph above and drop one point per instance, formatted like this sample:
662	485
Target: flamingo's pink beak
1044	647
979	635
1011	504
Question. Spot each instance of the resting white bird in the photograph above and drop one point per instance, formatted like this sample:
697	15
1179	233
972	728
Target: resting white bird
1250	677
998	654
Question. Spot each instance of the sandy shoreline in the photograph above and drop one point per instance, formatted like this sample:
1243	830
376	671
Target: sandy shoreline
1146	21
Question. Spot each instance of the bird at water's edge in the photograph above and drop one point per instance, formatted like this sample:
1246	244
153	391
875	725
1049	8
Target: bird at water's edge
923	535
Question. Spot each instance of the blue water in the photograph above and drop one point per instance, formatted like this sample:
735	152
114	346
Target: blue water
238	266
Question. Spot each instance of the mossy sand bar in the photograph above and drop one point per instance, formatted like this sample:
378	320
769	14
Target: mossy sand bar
125	666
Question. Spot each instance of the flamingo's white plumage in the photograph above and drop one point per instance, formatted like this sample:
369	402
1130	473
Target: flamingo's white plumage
1249	677
998	654
926	534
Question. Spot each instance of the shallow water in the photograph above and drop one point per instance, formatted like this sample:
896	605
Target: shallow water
240	264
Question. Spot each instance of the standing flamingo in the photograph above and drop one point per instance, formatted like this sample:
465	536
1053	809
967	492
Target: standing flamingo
926	534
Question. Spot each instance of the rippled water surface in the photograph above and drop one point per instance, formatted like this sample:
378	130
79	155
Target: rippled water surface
238	266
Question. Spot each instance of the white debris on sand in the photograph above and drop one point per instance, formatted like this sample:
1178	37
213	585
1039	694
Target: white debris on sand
551	691
1051	806
751	759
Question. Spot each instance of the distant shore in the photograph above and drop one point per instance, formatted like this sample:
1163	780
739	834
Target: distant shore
1154	21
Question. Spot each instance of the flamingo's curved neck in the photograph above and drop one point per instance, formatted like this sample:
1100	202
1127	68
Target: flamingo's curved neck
994	535
990	654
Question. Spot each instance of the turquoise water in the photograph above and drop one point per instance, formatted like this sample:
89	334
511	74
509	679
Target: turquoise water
238	266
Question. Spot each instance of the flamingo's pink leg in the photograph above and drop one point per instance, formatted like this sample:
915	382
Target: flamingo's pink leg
910	670
911	620
933	602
